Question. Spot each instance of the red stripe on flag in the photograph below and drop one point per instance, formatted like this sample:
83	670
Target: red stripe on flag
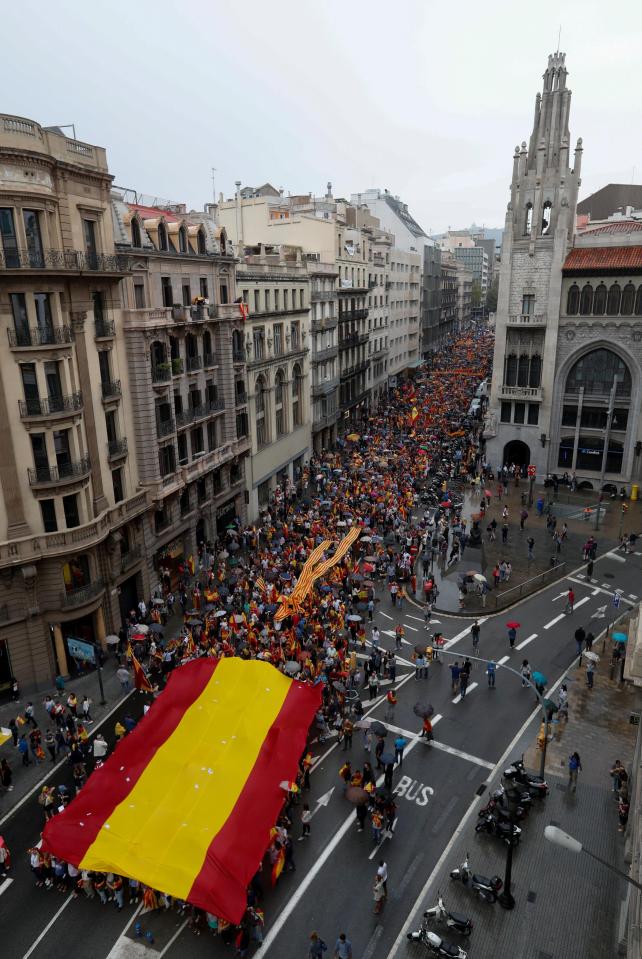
70	834
234	853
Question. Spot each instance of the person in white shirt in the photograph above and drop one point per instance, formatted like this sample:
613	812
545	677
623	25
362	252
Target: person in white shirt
382	874
100	747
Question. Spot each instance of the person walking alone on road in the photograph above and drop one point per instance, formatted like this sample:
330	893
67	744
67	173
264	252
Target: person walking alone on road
512	636
580	636
526	672
490	672
562	702
348	729
570	601
400	745
475	630
306	816
590	672
574	766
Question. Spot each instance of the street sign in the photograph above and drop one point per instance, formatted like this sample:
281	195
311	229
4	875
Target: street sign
532	470
86	652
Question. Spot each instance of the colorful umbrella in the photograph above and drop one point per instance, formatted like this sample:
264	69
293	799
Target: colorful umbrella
539	679
512	624
356	795
619	637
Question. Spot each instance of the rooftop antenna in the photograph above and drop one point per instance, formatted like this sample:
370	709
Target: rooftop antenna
559	38
213	185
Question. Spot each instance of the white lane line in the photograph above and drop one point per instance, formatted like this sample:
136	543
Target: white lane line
413	628
328	850
417	619
632	596
381	613
503	660
596	592
463	633
581	602
5	885
462	755
385	836
435	719
556	620
44	932
525	642
395	950
173	939
124	946
469	689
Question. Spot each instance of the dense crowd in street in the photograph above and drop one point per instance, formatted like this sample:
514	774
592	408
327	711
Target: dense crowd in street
229	597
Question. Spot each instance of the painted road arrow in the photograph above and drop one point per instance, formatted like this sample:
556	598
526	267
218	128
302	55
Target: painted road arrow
323	801
599	613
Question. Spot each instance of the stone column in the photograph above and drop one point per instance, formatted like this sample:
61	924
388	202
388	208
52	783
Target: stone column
61	654
99	626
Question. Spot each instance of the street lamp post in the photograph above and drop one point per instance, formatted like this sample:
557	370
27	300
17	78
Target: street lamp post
561	838
506	898
605	452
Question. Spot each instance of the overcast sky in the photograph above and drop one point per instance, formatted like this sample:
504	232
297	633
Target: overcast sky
425	98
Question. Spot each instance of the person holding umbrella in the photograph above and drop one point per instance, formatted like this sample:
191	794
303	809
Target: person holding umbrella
512	627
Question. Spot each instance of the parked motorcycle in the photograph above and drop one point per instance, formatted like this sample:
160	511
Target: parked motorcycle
518	775
453	920
499	803
486	887
497	827
437	945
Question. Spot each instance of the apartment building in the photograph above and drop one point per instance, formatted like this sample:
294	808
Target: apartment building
274	285
404	353
184	342
72	552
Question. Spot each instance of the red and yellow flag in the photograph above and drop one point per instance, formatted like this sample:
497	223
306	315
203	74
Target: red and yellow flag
187	800
414	414
140	677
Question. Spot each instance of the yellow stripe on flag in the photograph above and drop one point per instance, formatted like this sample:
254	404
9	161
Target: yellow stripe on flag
213	734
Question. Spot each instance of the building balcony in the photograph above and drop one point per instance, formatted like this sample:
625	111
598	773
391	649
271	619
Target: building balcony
210	359
354	370
180	314
380	353
355	400
326	387
162	373
70	472
35	337
130	558
147	319
353	339
165	427
111	390
326	323
186	417
194	364
216	406
521	392
64	261
352	290
104	329
117	449
346	315
321	420
325	354
238	356
319	296
83	594
50	407
199	313
527	319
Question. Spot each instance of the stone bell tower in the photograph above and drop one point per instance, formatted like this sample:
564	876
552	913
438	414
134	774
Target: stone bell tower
538	232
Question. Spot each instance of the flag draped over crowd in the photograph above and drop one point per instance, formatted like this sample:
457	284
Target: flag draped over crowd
187	801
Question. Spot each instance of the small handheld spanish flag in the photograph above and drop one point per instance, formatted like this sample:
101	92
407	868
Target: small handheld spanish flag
140	679
414	414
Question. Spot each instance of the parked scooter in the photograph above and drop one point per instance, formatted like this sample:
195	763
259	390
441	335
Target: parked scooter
496	827
517	774
486	887
499	803
453	920
437	945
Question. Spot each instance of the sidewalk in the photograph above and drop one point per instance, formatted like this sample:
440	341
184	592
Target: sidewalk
566	904
567	508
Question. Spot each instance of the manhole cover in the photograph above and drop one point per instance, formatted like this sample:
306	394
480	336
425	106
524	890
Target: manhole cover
609	576
531	897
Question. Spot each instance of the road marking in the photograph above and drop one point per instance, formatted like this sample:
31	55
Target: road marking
124	946
173	939
463	633
385	836
435	719
311	875
372	941
525	642
5	885
413	628
503	660
606	589
595	592
632	596
462	755
613	555
44	932
469	689
381	613
561	595
581	576
581	602
423	894
556	620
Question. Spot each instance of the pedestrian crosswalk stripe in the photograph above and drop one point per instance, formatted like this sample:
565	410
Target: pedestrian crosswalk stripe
469	689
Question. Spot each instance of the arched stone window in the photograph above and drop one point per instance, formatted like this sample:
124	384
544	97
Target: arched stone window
182	240
547	211
628	300
297	395
238	348
535	374
528	219
200	242
163	243
573	300
613	301
510	370
522	370
599	301
260	402
596	372
586	300
136	234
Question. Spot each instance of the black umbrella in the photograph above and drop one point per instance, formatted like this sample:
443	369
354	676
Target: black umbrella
387	759
156	628
423	710
378	729
340	688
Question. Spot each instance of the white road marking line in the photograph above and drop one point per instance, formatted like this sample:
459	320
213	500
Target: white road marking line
525	642
503	660
581	602
124	946
637	553
581	576
44	932
463	633
469	689
5	885
595	592
462	755
463	823
381	613
385	836
173	939
556	620
435	719
605	586
413	628
309	878
632	596
416	618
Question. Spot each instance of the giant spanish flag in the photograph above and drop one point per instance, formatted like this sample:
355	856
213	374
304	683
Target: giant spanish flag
187	800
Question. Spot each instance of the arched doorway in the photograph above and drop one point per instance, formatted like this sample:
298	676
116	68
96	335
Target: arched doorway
517	452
